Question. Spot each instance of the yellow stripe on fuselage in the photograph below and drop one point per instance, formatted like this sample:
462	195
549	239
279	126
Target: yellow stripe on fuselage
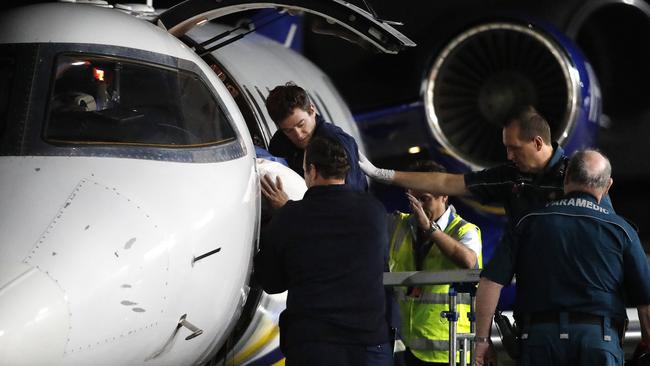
279	363
255	347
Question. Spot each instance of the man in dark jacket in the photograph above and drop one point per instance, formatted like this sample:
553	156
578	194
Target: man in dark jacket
328	251
295	115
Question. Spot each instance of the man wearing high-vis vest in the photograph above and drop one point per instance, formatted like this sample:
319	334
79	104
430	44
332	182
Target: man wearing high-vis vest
433	237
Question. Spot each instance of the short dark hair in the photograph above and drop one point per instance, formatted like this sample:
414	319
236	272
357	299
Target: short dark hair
531	124
426	166
283	99
328	156
578	172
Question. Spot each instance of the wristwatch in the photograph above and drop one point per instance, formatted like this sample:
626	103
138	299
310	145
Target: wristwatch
432	229
478	339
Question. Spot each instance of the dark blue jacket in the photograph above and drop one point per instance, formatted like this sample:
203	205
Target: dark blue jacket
519	192
328	250
573	255
281	146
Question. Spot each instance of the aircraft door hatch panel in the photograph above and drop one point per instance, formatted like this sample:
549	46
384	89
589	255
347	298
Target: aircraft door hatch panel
358	23
106	241
483	74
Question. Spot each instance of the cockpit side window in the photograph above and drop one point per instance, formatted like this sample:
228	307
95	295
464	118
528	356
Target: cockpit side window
105	100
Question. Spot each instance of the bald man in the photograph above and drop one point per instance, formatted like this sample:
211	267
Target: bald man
573	261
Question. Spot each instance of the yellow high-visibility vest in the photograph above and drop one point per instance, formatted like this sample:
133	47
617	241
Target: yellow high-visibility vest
423	330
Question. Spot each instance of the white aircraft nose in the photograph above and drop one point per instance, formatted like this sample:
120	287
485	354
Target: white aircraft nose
34	317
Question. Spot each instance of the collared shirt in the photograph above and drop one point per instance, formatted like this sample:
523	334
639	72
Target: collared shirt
517	191
573	255
281	146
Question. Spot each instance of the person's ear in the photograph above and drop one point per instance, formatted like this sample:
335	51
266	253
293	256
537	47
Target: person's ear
609	185
311	110
311	171
539	142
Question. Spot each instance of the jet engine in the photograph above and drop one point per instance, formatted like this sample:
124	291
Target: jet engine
487	70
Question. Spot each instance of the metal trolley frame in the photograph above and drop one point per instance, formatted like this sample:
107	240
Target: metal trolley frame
461	281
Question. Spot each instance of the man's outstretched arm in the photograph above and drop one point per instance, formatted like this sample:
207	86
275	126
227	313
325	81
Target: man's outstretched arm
432	182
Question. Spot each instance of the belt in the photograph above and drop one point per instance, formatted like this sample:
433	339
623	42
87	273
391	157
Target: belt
574	318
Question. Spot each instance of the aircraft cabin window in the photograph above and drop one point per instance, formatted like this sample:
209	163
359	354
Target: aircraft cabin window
262	118
103	100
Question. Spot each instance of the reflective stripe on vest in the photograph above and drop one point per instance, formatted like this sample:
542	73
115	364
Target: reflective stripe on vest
403	228
424	344
455	230
432	297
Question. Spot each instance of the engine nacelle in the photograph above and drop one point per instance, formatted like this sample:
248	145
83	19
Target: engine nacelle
487	70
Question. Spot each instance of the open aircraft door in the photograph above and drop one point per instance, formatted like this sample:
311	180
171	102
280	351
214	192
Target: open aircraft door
359	24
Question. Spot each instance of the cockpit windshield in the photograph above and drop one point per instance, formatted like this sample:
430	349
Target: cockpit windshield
105	100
